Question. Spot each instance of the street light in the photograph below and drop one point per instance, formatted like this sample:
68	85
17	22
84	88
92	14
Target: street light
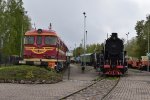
1	46
84	39
127	41
148	18
75	52
126	48
148	49
127	38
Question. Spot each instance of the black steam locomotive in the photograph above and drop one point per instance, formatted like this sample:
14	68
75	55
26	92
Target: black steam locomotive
112	60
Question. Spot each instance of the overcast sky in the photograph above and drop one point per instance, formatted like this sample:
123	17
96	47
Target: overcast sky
103	16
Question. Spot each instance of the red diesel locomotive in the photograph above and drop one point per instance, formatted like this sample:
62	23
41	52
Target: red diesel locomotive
44	47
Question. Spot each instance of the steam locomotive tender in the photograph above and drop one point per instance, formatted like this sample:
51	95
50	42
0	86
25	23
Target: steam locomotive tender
113	60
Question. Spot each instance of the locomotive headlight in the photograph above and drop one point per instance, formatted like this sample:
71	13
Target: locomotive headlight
39	31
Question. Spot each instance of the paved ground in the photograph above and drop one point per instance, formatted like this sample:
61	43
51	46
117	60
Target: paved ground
96	91
76	73
77	81
135	86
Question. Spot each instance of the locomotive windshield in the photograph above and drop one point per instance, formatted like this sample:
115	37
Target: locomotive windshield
39	40
50	40
29	40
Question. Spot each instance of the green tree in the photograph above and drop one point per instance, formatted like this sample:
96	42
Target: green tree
16	22
131	47
2	19
142	28
91	48
78	51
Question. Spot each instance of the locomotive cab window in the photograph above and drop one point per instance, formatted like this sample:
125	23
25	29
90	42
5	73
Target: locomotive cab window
39	40
50	40
29	40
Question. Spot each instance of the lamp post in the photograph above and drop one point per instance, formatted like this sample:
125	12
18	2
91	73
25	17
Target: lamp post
75	53
84	40
127	42
148	18
148	49
127	38
1	45
126	48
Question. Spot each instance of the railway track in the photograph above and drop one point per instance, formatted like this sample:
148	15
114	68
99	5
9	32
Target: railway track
97	90
103	98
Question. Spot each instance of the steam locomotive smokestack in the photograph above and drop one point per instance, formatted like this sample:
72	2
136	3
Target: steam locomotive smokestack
114	35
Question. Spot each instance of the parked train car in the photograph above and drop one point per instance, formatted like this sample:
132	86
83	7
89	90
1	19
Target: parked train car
95	59
133	62
86	58
129	62
113	59
44	47
144	63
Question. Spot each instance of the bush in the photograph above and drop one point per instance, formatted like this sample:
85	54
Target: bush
28	73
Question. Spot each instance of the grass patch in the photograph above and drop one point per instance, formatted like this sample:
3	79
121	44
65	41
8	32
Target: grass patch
28	73
112	78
